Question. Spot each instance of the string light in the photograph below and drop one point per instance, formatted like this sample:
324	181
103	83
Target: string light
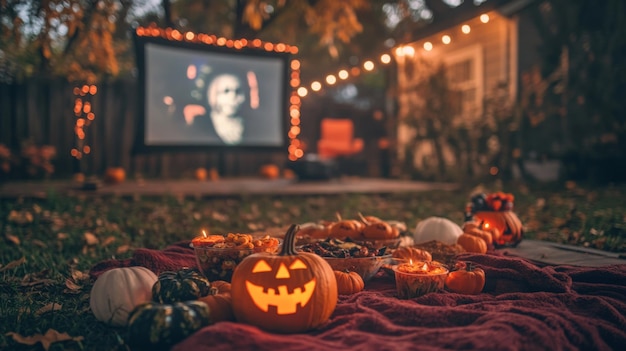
466	29
484	18
446	39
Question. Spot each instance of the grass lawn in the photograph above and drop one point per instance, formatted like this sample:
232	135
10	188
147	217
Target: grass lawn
48	246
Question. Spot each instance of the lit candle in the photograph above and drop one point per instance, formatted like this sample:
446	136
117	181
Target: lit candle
415	279
207	240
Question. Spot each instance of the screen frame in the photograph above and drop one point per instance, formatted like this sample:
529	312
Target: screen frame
140	146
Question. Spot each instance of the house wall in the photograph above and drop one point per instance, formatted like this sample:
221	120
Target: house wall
497	43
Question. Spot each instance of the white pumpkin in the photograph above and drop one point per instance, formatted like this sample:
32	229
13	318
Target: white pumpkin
118	291
437	228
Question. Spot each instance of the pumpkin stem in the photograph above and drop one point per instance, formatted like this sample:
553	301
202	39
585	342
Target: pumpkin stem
363	219
338	216
289	243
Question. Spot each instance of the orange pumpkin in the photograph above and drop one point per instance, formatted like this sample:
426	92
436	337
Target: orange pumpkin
412	253
114	175
506	222
289	292
270	171
468	280
220	302
349	282
472	243
201	173
346	228
473	229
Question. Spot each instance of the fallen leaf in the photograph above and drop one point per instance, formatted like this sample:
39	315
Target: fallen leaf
79	275
90	239
39	243
71	287
12	238
50	337
49	308
13	264
122	249
108	241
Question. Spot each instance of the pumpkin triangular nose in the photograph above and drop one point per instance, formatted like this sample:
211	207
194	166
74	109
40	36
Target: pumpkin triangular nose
283	272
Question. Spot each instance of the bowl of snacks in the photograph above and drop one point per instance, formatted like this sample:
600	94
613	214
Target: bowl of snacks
349	255
218	255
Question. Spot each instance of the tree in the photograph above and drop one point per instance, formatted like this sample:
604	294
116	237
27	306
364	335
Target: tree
582	80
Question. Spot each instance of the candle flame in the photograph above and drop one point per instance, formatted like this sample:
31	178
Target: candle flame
204	233
486	225
410	261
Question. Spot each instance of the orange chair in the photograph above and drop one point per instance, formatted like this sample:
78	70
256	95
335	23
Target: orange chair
337	138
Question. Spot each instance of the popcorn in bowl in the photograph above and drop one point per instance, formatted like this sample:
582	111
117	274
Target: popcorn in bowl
218	255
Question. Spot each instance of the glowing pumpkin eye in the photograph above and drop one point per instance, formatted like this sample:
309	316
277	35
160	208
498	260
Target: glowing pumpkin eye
297	264
261	266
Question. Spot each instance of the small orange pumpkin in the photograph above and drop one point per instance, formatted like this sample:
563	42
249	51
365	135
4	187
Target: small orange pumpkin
473	229
346	228
270	171
114	175
472	243
219	301
349	282
469	280
376	229
201	173
412	253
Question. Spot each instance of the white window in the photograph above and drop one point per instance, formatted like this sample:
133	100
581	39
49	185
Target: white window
465	75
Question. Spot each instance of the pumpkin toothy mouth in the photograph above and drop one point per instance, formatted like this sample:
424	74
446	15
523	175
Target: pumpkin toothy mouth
285	302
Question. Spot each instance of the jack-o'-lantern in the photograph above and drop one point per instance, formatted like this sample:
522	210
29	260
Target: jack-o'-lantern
506	222
495	211
289	292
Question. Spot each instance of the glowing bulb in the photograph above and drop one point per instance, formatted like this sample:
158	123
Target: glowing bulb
446	39
465	29
316	86
302	91
385	58
343	74
428	46
331	79
484	18
368	65
408	51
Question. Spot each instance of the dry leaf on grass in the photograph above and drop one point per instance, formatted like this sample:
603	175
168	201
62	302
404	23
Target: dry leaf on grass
71	287
122	249
108	241
90	239
12	264
12	239
50	337
49	308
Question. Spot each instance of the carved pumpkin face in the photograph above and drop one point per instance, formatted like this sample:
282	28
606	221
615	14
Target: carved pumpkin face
287	293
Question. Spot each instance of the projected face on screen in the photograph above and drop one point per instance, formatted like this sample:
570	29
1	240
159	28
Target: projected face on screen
225	96
200	98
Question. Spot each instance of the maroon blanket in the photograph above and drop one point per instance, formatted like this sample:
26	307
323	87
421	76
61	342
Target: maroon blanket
523	307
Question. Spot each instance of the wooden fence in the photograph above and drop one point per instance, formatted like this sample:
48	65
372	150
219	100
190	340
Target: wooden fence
41	111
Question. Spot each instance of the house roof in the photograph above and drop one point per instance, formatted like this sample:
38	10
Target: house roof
450	17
